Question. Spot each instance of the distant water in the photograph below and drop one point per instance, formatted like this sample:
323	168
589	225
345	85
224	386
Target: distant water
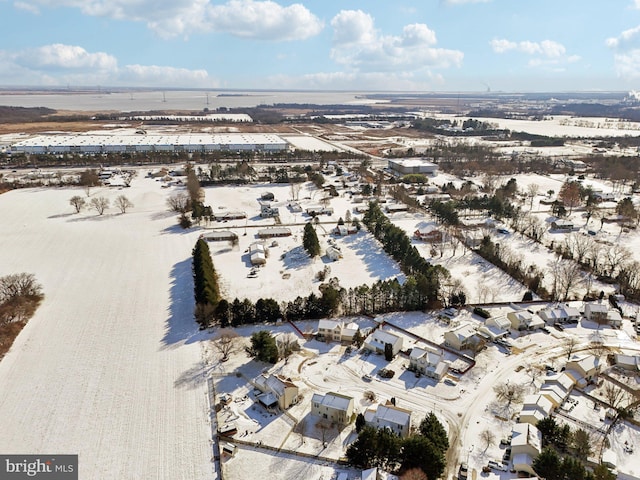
193	100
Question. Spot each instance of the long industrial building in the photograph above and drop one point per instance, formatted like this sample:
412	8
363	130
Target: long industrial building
120	143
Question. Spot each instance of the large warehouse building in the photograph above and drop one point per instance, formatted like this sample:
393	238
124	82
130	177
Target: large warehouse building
413	165
120	143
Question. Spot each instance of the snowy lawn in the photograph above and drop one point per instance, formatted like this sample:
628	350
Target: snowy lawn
104	369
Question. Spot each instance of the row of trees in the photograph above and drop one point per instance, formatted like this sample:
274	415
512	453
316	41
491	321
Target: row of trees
424	450
565	452
20	295
397	244
205	284
100	204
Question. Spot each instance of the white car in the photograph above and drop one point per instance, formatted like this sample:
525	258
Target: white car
497	466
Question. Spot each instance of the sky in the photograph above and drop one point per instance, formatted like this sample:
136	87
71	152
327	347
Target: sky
356	45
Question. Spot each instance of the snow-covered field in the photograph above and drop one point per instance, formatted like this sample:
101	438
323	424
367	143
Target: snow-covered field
105	367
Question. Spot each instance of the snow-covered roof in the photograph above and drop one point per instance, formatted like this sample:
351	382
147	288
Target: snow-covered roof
596	307
333	400
463	332
393	414
383	337
326	324
584	363
525	434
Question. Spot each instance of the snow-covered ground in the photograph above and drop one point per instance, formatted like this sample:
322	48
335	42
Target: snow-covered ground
105	367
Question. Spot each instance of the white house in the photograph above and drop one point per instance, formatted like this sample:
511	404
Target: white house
496	327
525	320
558	387
333	406
333	253
335	331
535	408
584	368
258	253
596	312
627	362
462	337
561	225
526	445
559	314
428	362
397	420
276	390
379	338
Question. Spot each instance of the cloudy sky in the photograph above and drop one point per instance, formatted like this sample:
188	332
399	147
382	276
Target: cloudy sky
417	45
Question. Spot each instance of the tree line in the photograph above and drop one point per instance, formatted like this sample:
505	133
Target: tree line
424	450
20	295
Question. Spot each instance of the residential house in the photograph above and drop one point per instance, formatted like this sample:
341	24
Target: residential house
274	232
584	368
526	445
462	337
344	230
396	207
219	236
276	390
495	327
230	215
333	406
430	234
562	225
557	388
379	338
428	362
596	312
335	331
266	210
397	420
559	313
535	408
258	253
627	362
614	319
525	320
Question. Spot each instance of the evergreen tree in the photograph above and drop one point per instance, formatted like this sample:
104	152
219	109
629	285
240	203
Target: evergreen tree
263	347
432	429
388	352
360	422
420	452
547	465
310	241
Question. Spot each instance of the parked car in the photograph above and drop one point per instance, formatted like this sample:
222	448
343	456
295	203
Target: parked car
463	471
506	441
497	466
366	377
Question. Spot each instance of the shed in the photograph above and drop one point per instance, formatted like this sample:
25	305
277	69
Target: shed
274	232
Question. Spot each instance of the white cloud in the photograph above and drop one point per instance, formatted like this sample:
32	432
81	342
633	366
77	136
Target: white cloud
627	65
359	47
626	39
60	64
353	26
164	76
636	4
27	7
64	57
264	19
546	48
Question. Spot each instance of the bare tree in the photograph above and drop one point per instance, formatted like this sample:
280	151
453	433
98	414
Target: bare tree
100	204
77	202
509	392
488	438
614	257
534	372
225	342
570	343
179	202
287	344
294	188
567	276
532	191
123	203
